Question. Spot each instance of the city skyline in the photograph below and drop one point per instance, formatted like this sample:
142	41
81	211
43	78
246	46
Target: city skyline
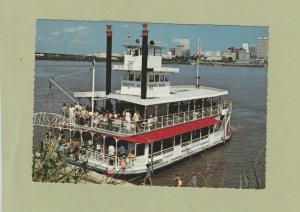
88	37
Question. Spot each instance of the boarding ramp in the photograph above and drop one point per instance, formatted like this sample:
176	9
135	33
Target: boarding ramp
53	120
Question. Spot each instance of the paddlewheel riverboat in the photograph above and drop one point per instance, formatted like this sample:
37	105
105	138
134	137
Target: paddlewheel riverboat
150	121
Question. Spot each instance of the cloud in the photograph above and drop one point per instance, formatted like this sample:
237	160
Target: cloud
78	30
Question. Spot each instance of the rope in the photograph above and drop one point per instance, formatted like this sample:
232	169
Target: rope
69	74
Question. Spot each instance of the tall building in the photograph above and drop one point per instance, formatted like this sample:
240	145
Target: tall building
246	47
252	50
185	47
262	47
178	51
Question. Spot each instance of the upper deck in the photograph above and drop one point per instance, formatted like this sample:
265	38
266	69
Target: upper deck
177	94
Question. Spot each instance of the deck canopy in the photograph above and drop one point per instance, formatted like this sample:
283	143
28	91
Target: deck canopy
168	132
178	94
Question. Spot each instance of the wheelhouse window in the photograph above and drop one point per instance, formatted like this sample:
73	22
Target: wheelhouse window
151	78
131	77
167	78
162	78
137	77
140	149
157	78
125	76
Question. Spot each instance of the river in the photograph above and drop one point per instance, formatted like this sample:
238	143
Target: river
240	162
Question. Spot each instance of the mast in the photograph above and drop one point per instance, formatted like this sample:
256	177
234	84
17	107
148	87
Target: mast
93	92
198	60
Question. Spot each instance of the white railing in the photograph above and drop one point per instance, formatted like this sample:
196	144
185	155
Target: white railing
118	126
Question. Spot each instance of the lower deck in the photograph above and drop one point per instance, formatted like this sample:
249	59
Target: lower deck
171	150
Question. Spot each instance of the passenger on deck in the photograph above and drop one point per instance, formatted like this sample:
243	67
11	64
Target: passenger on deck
128	116
96	119
123	164
136	117
131	158
108	118
64	110
111	150
122	151
72	114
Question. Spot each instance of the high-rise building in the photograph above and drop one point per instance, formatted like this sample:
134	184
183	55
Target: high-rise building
252	50
185	46
262	47
246	47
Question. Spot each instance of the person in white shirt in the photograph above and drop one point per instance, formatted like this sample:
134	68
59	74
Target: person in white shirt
128	116
72	114
111	150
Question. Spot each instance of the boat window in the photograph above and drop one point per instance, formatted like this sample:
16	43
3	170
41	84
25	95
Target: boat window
211	129
177	140
204	131
186	137
136	52
162	78
128	51
140	148
151	78
151	51
125	76
156	78
131	77
196	134
137	77
156	147
167	78
167	143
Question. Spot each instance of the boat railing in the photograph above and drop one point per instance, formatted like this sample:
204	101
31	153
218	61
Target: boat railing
100	156
126	128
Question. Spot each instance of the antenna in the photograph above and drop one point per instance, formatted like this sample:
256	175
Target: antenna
93	90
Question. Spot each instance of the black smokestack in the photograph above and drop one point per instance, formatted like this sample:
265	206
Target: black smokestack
144	62
108	58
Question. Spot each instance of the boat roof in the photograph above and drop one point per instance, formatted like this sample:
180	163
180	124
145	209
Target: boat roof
178	94
160	69
140	46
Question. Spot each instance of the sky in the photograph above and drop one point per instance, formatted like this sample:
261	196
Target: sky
89	37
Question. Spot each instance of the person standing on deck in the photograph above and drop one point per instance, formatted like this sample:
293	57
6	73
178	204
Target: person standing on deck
72	114
131	158
64	110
